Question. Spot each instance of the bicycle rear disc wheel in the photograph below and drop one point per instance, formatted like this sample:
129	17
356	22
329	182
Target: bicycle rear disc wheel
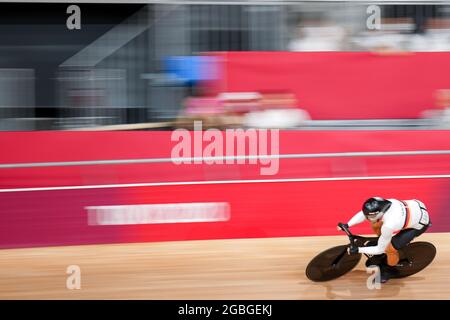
326	265
418	256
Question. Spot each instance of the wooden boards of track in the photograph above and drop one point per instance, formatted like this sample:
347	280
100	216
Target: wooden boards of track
270	268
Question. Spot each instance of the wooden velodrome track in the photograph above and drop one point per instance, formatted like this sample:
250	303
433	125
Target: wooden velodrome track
272	268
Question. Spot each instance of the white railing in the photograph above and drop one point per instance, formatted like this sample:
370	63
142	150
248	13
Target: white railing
224	158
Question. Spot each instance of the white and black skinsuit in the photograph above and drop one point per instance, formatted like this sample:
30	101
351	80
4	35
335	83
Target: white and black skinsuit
411	215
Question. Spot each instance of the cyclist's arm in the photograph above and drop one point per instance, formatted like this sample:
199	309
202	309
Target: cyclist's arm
383	242
357	218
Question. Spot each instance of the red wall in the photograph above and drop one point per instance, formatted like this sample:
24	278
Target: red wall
342	85
276	209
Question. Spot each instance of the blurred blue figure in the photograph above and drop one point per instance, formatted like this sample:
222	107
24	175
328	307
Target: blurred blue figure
190	70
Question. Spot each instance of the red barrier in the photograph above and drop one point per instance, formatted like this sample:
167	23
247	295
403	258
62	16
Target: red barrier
258	209
342	85
20	147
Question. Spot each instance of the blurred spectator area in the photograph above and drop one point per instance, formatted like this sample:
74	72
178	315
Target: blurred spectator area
140	63
243	109
343	85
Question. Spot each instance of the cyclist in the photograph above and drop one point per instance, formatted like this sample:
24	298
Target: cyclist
396	222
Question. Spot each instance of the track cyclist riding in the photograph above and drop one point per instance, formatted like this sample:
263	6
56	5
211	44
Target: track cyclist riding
397	223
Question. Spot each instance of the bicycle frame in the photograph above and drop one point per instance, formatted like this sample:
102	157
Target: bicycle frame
354	238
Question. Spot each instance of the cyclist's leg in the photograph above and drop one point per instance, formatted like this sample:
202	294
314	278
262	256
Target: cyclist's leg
400	240
404	237
393	256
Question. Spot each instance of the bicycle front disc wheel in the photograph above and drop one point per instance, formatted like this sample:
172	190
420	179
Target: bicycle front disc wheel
331	264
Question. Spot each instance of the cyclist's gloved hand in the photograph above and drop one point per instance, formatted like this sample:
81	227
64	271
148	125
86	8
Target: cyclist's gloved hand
352	249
